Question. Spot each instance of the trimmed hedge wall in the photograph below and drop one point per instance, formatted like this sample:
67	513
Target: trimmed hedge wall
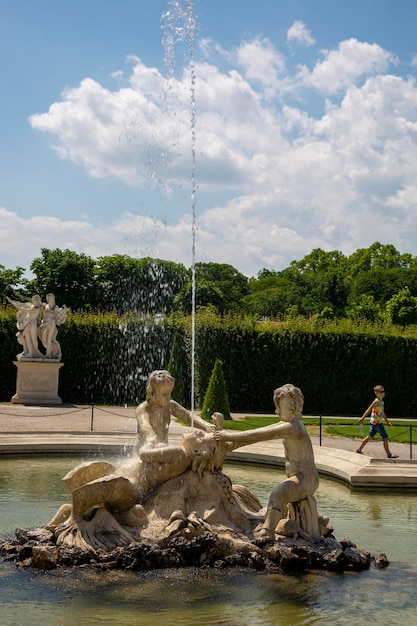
8	350
108	359
335	370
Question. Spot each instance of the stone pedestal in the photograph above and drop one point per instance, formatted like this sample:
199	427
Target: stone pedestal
37	382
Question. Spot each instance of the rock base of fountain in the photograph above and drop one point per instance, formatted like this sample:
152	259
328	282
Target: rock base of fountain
37	549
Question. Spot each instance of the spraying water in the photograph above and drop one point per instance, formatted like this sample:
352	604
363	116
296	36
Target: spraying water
179	26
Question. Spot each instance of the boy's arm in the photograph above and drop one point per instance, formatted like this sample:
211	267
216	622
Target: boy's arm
388	423
368	410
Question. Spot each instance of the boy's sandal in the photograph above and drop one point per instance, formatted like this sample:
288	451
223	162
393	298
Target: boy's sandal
392	456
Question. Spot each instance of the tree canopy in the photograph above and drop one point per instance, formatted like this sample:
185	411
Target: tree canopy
67	274
368	284
145	285
10	281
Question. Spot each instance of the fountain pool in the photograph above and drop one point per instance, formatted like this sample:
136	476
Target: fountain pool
31	490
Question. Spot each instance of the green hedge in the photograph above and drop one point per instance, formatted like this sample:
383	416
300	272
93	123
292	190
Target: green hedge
9	348
336	369
107	359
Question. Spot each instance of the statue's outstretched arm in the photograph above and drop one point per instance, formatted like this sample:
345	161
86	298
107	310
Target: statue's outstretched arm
246	437
184	415
19	305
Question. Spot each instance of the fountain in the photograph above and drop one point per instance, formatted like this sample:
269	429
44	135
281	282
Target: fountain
172	506
31	490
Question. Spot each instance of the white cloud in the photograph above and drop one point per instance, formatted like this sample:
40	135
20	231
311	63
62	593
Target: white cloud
109	133
299	33
291	181
262	63
344	66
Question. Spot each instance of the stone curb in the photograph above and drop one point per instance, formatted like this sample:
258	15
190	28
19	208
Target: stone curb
28	430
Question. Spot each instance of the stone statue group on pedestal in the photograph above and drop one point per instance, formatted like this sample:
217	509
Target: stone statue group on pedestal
39	321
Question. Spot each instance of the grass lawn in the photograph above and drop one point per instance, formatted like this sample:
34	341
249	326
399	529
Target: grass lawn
331	427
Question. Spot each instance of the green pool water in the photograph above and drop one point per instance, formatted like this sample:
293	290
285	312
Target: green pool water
31	490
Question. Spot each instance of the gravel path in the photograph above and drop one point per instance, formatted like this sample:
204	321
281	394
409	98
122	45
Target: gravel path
373	449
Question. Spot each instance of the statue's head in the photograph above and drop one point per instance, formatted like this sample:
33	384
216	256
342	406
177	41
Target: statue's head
36	300
218	419
50	298
159	382
207	454
194	442
289	401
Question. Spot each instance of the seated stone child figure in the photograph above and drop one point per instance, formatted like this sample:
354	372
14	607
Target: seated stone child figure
107	500
119	488
154	414
302	476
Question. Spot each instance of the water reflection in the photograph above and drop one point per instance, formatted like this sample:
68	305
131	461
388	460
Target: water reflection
31	490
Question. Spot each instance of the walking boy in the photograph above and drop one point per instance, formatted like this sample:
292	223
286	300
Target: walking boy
377	411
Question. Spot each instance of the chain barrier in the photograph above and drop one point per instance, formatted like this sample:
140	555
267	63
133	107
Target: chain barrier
66	412
63	412
118	414
334	428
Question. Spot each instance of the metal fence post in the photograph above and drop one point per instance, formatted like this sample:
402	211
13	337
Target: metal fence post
411	441
92	417
320	429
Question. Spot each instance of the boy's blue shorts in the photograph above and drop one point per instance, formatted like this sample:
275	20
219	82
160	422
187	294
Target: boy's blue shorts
378	428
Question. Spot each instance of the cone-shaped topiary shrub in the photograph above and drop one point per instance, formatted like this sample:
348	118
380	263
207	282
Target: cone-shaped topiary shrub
175	368
216	395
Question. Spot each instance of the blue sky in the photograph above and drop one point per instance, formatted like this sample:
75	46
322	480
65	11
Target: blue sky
305	129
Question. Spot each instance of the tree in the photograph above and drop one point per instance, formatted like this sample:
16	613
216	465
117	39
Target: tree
217	285
365	309
402	308
176	369
114	276
229	281
267	273
270	295
216	399
207	294
10	282
382	284
321	280
326	314
377	256
69	275
146	285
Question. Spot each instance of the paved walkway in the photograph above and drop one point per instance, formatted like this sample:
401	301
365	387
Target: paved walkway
83	429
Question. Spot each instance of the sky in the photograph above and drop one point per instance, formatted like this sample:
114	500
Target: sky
247	133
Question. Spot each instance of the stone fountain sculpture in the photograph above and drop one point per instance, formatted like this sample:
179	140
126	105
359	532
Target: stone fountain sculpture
38	372
172	505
